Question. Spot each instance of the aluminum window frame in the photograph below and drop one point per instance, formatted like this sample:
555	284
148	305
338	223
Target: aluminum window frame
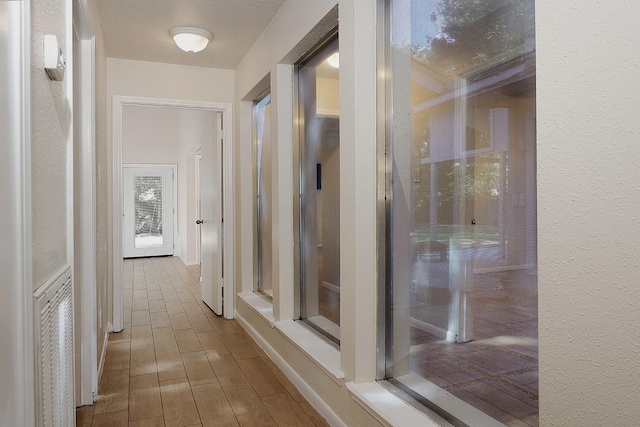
299	216
385	344
257	223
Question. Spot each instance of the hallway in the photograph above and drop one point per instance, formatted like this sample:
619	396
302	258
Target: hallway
178	364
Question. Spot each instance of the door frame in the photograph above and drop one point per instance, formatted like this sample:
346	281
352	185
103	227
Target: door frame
117	197
85	283
17	371
174	196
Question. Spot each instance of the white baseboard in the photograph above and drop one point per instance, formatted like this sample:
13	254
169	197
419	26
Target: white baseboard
103	356
176	246
303	387
187	261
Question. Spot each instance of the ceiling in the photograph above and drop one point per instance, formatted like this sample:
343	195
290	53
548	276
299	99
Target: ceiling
139	29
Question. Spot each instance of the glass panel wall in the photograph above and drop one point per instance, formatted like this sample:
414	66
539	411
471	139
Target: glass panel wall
262	204
319	154
463	279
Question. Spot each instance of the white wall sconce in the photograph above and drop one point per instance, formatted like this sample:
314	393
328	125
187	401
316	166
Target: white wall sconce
191	39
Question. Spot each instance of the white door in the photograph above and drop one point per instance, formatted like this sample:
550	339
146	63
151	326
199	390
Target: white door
148	210
211	219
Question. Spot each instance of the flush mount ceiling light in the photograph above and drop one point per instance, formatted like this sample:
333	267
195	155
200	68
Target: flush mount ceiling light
191	39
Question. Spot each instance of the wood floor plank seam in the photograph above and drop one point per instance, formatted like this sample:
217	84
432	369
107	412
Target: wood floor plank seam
178	363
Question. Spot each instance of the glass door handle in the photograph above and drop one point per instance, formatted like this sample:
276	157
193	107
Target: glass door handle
199	221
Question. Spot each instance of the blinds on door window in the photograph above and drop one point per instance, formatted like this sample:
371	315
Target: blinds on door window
148	211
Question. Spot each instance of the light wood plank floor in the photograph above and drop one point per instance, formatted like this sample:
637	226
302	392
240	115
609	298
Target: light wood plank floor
178	364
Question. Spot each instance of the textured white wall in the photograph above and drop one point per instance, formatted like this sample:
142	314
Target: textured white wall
588	212
168	81
150	135
51	130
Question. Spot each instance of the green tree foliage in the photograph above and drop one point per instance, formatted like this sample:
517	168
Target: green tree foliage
473	32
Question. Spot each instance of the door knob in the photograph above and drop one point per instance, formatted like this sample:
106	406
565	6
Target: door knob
199	221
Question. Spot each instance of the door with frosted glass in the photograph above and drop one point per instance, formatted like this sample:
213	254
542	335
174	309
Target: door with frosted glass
148	211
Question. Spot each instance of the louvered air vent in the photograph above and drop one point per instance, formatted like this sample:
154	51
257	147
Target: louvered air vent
54	352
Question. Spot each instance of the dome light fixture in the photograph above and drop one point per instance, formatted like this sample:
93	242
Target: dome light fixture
191	39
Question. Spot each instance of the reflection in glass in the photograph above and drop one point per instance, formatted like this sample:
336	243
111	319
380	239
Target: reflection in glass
463	234
148	211
320	192
262	232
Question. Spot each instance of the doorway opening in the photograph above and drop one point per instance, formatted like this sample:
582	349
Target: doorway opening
222	149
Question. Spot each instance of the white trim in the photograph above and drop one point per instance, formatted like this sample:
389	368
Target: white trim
91	243
260	305
455	406
227	111
17	379
303	387
323	354
386	407
103	356
87	357
69	80
116	214
85	32
25	391
229	215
